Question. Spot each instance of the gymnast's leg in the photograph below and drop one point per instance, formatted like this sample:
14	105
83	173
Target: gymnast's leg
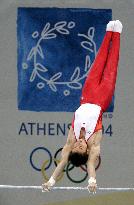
95	74
107	85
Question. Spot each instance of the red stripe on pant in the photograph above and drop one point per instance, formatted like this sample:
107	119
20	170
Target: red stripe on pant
100	83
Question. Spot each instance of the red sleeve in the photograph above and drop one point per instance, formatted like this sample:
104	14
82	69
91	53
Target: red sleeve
99	124
73	121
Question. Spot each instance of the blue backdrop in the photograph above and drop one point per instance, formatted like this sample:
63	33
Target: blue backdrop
56	48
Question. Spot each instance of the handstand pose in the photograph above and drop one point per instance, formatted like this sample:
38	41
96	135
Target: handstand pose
85	134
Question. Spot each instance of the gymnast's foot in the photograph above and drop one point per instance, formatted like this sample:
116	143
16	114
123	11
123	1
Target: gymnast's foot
110	26
118	26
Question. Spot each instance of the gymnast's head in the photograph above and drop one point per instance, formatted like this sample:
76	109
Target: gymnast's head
79	154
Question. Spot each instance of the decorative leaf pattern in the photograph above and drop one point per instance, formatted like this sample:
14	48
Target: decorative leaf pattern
87	63
76	74
75	85
91	31
87	45
40	67
56	76
40	52
75	79
33	75
31	54
71	24
49	36
46	28
53	87
62	30
60	24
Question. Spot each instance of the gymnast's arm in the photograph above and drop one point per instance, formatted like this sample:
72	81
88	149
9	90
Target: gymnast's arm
93	155
64	160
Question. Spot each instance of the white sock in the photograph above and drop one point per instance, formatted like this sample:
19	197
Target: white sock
110	26
117	26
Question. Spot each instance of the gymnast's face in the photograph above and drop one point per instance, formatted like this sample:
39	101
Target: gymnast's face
80	146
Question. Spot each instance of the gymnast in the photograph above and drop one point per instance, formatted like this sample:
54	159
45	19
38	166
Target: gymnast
85	134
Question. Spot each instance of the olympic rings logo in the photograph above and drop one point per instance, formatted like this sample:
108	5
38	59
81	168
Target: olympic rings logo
68	169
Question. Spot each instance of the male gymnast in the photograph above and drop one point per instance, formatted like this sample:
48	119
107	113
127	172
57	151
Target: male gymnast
85	134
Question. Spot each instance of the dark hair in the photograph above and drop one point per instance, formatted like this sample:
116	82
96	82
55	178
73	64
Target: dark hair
78	159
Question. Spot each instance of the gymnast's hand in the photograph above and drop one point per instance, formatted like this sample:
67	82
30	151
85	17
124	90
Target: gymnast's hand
92	187
46	187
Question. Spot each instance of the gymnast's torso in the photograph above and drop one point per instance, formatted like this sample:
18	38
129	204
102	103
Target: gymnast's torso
89	117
